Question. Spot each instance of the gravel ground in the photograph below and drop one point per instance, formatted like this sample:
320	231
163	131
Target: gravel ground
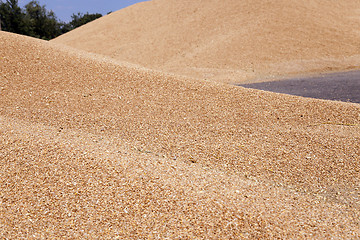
343	86
91	148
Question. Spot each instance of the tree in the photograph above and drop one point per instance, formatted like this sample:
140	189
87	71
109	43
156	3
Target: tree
12	17
42	23
35	21
81	19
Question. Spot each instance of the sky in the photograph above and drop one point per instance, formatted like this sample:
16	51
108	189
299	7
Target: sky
63	9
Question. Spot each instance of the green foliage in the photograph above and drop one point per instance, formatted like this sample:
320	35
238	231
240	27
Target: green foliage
81	19
41	23
12	17
35	21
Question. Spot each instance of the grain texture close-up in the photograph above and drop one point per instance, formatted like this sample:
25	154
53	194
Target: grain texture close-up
94	147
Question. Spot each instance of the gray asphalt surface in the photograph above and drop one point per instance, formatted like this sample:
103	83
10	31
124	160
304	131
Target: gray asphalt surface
343	86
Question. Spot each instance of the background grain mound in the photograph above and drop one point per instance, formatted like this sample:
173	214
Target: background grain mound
230	40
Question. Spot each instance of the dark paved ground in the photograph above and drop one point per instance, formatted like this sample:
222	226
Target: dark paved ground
343	86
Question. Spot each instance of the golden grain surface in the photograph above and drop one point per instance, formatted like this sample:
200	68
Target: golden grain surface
230	41
93	148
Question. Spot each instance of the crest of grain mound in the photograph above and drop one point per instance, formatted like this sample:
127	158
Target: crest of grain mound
230	40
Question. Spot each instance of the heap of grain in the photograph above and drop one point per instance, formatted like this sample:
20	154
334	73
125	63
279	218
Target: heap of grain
90	148
230	40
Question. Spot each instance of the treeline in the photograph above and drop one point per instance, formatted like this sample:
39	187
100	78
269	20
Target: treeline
36	21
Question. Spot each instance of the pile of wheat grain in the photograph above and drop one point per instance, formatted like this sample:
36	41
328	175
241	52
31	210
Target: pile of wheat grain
91	148
230	40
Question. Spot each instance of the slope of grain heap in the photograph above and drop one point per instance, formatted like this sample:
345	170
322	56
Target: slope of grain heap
93	149
230	40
